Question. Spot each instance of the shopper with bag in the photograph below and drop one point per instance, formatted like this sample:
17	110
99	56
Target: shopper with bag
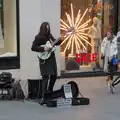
109	53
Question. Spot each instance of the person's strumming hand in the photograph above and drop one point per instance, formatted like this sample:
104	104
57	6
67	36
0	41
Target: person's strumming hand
47	48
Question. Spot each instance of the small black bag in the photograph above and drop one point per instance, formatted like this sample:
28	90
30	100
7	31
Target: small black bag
6	77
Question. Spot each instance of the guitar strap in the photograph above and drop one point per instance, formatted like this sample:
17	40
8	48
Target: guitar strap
41	61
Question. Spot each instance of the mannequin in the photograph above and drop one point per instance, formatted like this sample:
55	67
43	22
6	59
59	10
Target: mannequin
95	35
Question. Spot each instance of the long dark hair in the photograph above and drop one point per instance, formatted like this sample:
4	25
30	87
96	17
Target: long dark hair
45	29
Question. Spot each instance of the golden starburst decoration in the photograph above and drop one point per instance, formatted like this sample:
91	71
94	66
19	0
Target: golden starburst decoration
75	38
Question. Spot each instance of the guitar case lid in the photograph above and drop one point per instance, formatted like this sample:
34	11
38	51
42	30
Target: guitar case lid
74	89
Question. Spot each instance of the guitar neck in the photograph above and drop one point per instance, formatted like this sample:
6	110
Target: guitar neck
53	43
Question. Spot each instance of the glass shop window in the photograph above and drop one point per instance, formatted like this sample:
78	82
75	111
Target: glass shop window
86	17
8	33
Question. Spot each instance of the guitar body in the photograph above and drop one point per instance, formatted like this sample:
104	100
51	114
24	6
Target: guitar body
45	55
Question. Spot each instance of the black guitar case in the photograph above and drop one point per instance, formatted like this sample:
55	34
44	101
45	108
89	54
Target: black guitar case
68	102
57	97
60	92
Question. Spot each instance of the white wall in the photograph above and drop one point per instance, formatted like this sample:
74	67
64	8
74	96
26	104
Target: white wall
30	19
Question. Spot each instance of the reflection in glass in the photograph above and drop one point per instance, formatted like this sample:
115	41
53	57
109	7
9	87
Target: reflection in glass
8	46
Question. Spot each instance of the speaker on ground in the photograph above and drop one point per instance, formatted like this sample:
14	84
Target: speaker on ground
34	88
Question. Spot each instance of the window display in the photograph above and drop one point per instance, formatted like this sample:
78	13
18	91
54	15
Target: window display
1	25
80	46
8	31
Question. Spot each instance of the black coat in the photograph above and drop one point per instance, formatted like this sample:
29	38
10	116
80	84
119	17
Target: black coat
50	65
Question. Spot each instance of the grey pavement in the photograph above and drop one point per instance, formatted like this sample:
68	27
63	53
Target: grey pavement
103	106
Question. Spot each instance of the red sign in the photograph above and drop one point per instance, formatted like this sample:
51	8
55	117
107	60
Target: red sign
86	57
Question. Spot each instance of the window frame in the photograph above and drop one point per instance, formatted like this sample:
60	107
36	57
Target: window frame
12	62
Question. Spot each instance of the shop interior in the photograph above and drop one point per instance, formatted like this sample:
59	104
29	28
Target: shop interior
82	15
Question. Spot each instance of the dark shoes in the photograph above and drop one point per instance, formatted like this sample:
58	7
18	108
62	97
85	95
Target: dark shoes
110	87
42	101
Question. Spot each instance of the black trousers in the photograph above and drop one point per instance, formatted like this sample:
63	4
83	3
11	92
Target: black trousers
111	69
48	82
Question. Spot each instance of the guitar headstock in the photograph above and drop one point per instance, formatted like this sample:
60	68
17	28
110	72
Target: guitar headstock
70	29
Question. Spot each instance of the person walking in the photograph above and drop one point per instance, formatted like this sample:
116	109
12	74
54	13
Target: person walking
108	54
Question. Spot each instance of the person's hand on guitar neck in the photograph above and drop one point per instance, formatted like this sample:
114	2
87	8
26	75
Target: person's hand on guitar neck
46	48
67	32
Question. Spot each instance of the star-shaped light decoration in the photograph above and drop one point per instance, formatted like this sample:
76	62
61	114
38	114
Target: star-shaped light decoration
75	39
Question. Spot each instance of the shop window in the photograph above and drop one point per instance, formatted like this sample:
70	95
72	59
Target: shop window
85	37
9	34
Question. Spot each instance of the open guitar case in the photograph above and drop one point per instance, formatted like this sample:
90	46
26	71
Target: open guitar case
58	97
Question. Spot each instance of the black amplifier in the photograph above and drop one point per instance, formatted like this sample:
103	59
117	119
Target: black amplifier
34	88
